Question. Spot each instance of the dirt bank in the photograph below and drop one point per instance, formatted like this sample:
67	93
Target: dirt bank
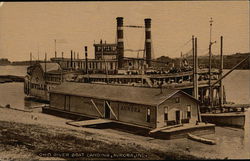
39	136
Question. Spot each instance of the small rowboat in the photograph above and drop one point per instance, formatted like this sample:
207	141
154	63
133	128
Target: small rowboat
200	139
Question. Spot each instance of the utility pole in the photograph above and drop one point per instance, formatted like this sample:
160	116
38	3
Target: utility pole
196	85
61	79
221	72
181	60
193	51
74	62
45	65
71	57
210	65
196	93
86	59
195	68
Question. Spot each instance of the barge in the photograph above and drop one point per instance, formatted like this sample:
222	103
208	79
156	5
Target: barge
162	113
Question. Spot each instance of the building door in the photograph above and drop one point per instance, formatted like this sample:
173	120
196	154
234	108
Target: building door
148	115
166	115
67	103
177	117
107	110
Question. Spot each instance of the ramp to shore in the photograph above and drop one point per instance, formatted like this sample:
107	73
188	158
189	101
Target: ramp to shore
88	122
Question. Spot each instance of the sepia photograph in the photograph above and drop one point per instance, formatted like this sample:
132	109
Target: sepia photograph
125	80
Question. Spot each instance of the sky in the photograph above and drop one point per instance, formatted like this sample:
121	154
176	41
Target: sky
33	27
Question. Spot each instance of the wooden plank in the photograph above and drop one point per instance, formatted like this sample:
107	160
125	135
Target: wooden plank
165	128
200	139
96	108
89	122
111	110
23	110
38	106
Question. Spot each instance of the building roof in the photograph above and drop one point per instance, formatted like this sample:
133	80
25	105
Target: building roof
129	94
50	66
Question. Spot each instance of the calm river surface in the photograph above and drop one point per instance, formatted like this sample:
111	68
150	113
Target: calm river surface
232	143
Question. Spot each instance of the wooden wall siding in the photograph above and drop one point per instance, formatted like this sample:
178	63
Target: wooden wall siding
125	112
173	106
57	101
129	113
82	105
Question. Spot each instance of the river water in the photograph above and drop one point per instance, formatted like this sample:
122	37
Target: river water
13	93
13	70
232	143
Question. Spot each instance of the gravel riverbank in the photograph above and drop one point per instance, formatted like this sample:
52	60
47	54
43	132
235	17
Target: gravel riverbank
34	135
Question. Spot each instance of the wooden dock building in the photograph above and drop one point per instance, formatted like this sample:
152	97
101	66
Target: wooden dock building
145	107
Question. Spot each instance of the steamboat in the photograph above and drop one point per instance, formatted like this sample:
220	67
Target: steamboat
110	66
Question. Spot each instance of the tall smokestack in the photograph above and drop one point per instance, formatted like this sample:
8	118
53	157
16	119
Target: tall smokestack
30	58
74	63
120	43
55	49
86	59
148	43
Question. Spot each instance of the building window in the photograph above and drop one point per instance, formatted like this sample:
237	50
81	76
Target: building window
177	100
189	111
148	115
165	113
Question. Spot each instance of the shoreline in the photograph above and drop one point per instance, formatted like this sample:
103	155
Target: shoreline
42	142
41	136
11	78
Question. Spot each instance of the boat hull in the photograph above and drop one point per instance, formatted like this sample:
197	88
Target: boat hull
225	119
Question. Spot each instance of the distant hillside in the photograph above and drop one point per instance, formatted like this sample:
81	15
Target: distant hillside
26	63
229	61
163	62
4	61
